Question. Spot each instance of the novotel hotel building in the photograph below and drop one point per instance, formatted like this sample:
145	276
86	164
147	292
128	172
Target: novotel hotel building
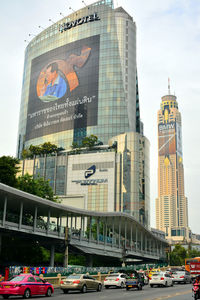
80	78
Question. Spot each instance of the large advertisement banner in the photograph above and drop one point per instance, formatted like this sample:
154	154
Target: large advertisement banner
167	138
63	91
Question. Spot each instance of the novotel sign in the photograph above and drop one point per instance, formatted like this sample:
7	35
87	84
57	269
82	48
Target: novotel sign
80	21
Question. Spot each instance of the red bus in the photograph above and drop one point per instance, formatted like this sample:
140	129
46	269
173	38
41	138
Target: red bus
191	260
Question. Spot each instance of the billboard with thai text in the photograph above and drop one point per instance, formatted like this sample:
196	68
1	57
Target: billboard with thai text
63	92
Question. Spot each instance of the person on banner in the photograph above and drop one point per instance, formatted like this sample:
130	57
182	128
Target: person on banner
55	86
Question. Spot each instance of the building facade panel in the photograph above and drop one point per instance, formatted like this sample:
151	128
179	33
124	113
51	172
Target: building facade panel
94	176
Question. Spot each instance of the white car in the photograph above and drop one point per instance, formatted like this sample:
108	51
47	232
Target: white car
115	279
161	279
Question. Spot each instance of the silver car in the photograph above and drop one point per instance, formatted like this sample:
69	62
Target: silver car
181	277
81	282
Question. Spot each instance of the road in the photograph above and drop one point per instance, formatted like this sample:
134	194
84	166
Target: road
177	292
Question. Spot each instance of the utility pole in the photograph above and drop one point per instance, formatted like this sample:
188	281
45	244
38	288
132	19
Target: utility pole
66	253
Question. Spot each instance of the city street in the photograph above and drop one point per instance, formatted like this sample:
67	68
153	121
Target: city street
178	292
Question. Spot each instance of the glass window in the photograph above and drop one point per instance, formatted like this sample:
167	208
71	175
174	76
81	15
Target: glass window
18	278
31	279
38	279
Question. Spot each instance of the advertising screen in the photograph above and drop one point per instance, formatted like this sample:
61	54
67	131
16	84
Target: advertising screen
166	138
63	91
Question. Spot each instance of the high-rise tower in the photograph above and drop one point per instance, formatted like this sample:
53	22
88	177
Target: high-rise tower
80	78
171	204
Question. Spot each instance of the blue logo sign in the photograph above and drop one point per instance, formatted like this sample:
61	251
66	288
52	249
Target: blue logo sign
90	171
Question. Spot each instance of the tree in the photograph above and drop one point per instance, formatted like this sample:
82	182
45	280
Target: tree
178	256
8	170
43	149
37	186
48	148
26	153
193	253
89	141
34	150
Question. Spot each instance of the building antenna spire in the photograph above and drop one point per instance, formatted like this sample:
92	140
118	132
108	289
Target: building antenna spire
168	86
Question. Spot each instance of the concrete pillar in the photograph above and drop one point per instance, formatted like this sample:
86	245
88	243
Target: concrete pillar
52	253
66	255
4	211
20	215
141	241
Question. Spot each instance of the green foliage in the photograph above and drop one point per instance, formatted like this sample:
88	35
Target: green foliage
94	230
76	260
26	154
178	256
38	150
193	253
34	150
47	148
16	250
37	186
87	142
8	170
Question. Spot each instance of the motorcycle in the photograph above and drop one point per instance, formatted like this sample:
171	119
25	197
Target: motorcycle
196	291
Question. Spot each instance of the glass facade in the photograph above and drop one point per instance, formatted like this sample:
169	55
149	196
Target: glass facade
95	57
118	177
80	78
132	176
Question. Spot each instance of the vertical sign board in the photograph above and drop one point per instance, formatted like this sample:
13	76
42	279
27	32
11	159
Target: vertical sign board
167	138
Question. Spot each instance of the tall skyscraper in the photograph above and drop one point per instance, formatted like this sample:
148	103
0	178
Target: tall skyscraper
171	204
80	78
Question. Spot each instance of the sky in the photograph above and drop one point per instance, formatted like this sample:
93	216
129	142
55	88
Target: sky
168	46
